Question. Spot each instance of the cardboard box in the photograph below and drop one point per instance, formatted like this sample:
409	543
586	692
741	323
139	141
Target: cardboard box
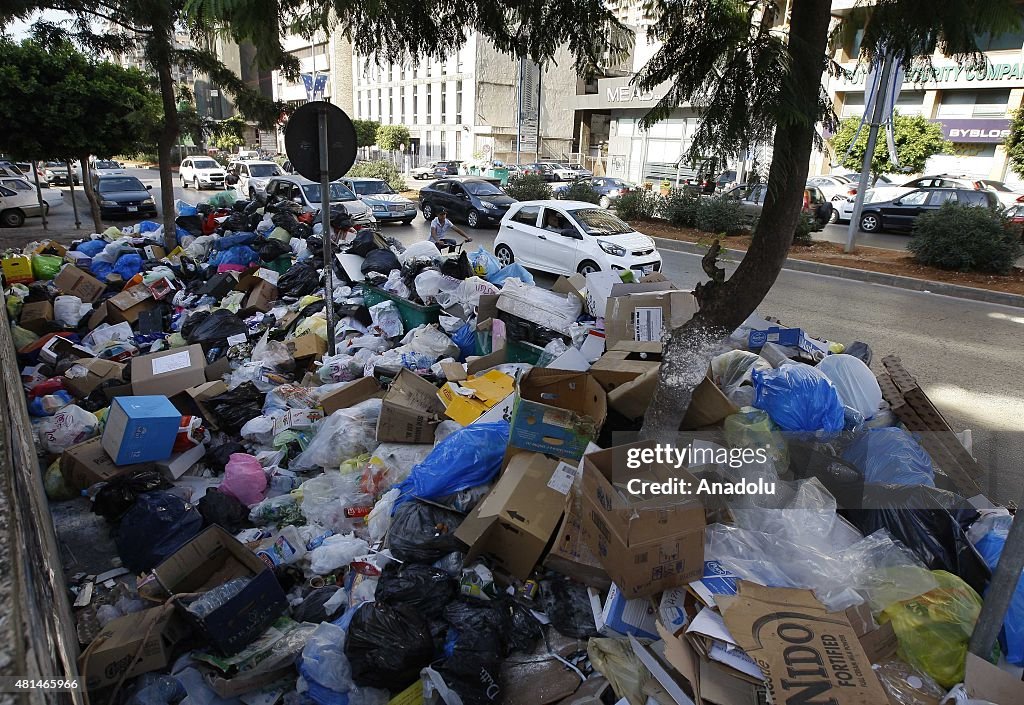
219	285
984	681
17	270
306	346
129	646
299	419
557	412
74	281
515	521
154	252
169	371
82	378
410	411
626	361
646	543
191	402
58	347
623	616
469	399
216	370
788	629
37	317
85	464
708	407
261	297
140	428
129	304
570	555
79	259
644	317
50	247
209	560
351	394
180	463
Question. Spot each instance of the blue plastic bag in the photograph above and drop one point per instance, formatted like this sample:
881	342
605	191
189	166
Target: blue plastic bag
1011	638
240	255
467	458
148	226
799	399
91	248
184	208
465	338
157	525
515	270
100	270
484	263
891	456
128	266
233	240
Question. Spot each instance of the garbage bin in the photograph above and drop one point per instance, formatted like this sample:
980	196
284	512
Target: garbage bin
499	173
474	171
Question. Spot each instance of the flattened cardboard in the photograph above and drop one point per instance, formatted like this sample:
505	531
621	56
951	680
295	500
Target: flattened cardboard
126	306
410	411
804	651
708	407
485	392
557	412
351	394
645	316
37	316
306	346
82	378
153	374
625	362
85	464
987	682
74	281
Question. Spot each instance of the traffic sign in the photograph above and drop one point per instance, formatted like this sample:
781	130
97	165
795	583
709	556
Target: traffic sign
302	140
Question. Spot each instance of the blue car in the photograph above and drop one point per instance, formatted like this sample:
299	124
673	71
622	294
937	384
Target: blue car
124	196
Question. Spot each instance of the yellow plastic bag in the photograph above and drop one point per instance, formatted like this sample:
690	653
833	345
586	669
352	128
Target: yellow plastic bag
315	324
933	629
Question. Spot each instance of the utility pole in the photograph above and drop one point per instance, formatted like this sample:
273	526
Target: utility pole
39	194
71	185
1000	591
328	234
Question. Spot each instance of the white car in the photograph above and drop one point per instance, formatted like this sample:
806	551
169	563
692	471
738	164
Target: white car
307	194
564	172
200	172
107	167
15	206
52	197
844	208
1006	195
833	186
254	175
424	172
565	237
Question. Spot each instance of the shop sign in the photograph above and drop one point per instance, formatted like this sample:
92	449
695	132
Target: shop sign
983	130
964	74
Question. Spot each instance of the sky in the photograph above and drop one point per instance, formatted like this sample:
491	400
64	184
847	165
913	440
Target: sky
22	29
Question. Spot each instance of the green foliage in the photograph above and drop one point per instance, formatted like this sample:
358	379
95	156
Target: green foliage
804	227
380	170
720	215
916	139
366	132
638	204
580	191
966	239
390	138
679	207
528	187
229	134
1015	142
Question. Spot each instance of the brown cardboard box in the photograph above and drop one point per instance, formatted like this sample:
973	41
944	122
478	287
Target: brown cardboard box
50	247
807	652
37	317
626	361
169	371
126	306
645	317
557	412
218	368
85	464
513	524
570	555
154	634
410	412
192	401
262	296
708	407
646	543
74	281
306	346
351	394
987	682
85	375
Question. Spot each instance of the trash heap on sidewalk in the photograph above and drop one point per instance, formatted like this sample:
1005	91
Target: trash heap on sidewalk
446	509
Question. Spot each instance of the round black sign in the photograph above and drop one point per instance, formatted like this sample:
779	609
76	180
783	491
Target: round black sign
302	140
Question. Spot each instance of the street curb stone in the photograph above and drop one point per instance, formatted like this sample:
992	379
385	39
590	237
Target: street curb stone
832	270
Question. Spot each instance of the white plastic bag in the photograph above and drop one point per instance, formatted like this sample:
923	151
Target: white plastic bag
259	429
395	285
732	372
855	383
379	519
424	249
344	434
468	292
67	310
430	341
326	497
69	426
386	319
324	661
336	552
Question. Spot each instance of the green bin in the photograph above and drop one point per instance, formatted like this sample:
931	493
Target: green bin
499	173
413	315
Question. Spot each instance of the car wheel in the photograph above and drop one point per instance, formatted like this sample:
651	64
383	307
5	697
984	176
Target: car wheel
588	267
184	184
834	217
871	223
472	218
428	212
504	255
13	218
605	202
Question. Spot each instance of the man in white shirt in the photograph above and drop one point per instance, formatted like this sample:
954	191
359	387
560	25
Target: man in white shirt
441	226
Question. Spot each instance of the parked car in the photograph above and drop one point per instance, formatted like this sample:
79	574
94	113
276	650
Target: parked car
107	167
9	169
566	237
15	206
844	207
944	181
446	168
567	172
1015	213
26	169
307	194
835	187
541	169
200	172
386	204
124	195
426	171
52	197
901	212
1006	195
751	199
472	199
253	176
57	173
608	188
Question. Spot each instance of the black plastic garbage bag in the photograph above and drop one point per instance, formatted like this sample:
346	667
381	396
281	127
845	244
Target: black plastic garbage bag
193	320
423	587
842	479
861	351
475	649
236	406
423	533
272	249
387	646
217	456
119	494
236	222
193	224
567	605
216	328
224	510
312	610
457	267
285	219
300	279
363	243
157	525
930	522
382	261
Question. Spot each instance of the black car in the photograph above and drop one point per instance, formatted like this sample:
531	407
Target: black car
446	169
124	195
468	198
900	213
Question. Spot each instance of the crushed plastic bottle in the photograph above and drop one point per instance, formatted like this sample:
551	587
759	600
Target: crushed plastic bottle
217	597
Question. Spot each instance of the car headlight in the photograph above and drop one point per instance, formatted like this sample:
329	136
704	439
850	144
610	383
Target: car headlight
488	204
612	249
108	203
148	202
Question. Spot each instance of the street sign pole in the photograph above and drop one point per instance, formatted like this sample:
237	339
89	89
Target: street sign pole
877	116
39	194
325	219
71	185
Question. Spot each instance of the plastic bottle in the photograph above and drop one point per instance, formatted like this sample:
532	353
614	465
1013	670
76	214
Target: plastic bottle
285	548
217	597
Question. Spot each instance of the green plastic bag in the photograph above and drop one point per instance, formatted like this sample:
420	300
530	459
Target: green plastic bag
933	629
224	199
752	428
53	482
46	266
22	337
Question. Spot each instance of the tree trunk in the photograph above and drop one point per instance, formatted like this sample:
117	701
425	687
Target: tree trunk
90	195
167	140
724	307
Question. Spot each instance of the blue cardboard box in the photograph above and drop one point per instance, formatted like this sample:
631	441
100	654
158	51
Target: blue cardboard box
788	337
557	412
140	429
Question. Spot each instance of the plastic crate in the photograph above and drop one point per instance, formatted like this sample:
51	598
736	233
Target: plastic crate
522	352
523	331
413	315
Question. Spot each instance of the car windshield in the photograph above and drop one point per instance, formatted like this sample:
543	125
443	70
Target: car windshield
262	170
338	193
17	184
616	183
107	165
597	221
204	164
57	164
120	183
996	186
369	188
483	188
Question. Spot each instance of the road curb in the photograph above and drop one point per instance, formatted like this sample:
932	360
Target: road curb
832	270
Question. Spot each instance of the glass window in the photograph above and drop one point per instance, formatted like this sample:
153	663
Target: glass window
441	186
1008	41
626	127
937	198
957	104
401	105
853	105
597	221
483	188
554	221
380	104
110	184
444	103
416	106
391	104
264	170
18	185
991	103
910	102
458	102
914	198
338	193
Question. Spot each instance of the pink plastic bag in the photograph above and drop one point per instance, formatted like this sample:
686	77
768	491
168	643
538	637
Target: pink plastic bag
244	479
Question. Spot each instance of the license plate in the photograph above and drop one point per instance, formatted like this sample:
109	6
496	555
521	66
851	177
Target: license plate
132	209
647	269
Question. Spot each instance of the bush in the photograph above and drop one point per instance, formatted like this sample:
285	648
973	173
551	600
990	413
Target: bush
528	187
580	191
804	227
639	204
380	170
967	239
720	215
679	207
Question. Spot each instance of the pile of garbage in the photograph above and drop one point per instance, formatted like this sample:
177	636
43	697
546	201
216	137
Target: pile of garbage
440	498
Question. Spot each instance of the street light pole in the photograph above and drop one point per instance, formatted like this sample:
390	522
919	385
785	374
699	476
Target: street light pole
325	220
39	194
